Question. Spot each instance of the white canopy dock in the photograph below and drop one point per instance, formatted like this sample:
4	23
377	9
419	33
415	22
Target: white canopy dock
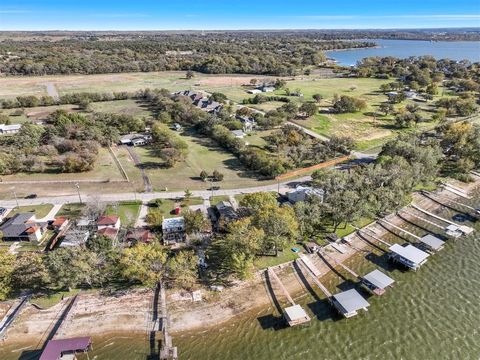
408	255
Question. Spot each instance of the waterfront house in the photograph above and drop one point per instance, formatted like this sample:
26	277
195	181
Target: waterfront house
23	227
173	230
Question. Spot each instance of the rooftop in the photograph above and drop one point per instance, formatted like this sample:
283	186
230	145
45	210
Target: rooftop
432	242
107	220
351	300
379	279
55	348
295	313
173	222
410	252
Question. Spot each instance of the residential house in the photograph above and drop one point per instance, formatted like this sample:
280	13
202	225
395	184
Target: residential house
108	221
173	231
135	139
254	91
75	237
23	227
139	235
301	193
266	88
9	129
238	134
60	223
109	232
200	101
226	212
247	122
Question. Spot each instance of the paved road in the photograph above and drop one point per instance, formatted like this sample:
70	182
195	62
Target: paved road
145	197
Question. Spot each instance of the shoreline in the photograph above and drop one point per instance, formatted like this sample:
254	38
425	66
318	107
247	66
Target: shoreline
99	316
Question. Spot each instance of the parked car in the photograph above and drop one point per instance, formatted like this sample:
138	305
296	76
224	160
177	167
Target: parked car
31	196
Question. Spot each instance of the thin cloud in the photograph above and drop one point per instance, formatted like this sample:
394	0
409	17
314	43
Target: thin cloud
346	17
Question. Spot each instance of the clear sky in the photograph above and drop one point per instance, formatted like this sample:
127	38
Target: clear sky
237	14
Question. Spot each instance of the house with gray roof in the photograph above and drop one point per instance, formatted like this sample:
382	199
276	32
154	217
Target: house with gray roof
23	227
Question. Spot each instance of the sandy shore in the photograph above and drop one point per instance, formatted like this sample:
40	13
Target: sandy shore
95	314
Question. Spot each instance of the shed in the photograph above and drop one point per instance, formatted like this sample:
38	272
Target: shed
349	302
432	243
377	281
295	315
408	255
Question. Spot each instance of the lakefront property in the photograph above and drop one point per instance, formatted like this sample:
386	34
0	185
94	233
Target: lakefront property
205	194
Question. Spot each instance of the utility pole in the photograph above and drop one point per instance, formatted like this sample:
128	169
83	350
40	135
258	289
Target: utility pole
77	185
15	195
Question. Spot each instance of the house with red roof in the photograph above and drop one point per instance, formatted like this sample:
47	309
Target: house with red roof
108	221
109	232
60	223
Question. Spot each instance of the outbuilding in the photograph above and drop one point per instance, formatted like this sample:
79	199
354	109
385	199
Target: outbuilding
349	302
376	281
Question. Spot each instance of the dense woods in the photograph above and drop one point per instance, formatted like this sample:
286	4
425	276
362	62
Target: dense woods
213	53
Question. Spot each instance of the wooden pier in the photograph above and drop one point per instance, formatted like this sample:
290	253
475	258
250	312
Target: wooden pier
400	229
167	350
294	314
370	233
456	191
463	228
475	211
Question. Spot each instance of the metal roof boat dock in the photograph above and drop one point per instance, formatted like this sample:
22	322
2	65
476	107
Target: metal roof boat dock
432	243
349	302
376	281
408	255
57	349
296	315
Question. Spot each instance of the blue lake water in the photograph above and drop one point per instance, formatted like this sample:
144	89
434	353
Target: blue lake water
455	50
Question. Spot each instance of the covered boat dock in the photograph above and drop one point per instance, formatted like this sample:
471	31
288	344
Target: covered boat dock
408	255
62	348
377	282
432	243
349	302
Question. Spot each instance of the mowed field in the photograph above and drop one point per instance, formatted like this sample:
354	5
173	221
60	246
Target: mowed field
231	85
203	155
105	170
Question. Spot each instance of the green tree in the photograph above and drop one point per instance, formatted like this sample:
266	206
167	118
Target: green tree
7	265
189	74
143	263
217	175
99	244
317	97
195	222
256	202
30	272
182	269
308	109
204	175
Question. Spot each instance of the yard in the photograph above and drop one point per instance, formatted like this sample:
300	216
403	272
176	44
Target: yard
203	155
40	210
128	211
105	170
124	107
72	211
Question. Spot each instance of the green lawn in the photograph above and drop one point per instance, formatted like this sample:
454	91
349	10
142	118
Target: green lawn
127	211
39	210
218	198
166	208
105	169
203	154
72	211
284	256
126	107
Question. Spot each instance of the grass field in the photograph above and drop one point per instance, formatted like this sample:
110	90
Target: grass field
166	208
72	211
203	155
13	86
33	114
39	210
105	170
125	107
127	211
284	256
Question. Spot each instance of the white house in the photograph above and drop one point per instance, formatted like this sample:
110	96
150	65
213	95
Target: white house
108	221
9	129
254	91
302	192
